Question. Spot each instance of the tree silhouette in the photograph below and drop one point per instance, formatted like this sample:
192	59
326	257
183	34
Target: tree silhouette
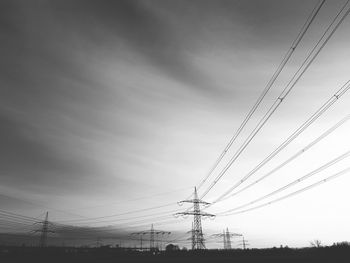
316	243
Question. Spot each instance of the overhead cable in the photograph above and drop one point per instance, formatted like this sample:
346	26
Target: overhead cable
344	171
297	181
339	18
268	86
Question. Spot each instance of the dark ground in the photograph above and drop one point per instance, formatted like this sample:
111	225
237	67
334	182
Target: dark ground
107	255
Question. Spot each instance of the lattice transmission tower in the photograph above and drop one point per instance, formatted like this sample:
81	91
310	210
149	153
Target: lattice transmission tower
226	235
197	232
44	230
244	243
228	239
153	235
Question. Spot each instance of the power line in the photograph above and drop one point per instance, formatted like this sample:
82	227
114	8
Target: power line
284	61
294	135
124	225
119	214
15	225
134	199
16	219
133	224
14	216
299	180
169	212
129	224
78	232
288	88
293	193
60	228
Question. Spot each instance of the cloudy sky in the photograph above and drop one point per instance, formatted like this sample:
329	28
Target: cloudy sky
113	106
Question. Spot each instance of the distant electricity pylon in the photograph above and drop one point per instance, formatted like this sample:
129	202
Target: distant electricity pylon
244	243
226	235
197	233
44	230
153	236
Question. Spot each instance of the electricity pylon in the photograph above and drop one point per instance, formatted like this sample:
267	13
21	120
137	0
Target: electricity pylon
222	235
44	231
197	233
141	234
226	235
152	234
228	239
244	243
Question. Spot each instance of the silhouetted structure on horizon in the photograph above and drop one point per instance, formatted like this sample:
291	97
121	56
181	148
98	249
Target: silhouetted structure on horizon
197	233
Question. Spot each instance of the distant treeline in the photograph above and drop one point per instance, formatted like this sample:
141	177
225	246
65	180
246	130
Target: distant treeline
339	252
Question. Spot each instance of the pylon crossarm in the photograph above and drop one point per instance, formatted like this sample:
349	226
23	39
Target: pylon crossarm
197	201
135	234
194	213
208	215
43	222
217	235
161	232
40	230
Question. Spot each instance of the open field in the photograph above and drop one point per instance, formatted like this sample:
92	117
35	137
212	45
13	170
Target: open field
23	254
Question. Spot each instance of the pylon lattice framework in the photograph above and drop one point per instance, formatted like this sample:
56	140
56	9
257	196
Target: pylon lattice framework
44	230
197	232
226	235
244	243
152	233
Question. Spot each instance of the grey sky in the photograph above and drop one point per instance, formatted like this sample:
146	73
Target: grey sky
104	101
